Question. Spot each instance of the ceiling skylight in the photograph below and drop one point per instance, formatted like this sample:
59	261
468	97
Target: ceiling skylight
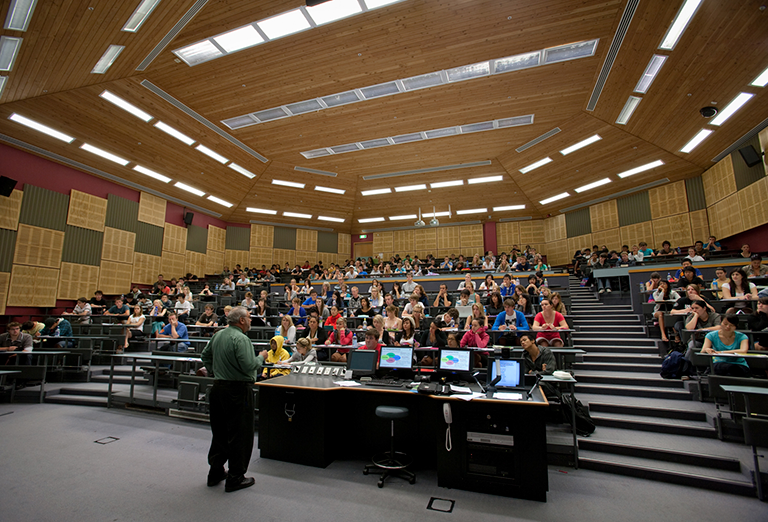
409	188
242	38
173	132
151	173
571	51
370	220
9	48
284	24
471	211
329	218
487	179
107	59
40	128
731	108
580	145
701	136
212	154
642	168
220	201
292	184
198	52
629	108
554	198
403	217
762	80
112	98
241	170
536	165
373	4
443	184
328	12
104	154
596	184
654	66
3	79
508	207
261	211
681	22
375	192
193	190
140	15
19	15
329	189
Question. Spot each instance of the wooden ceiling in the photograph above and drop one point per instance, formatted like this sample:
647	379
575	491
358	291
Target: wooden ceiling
720	53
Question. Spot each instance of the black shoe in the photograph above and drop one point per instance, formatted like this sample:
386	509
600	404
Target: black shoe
238	483
215	478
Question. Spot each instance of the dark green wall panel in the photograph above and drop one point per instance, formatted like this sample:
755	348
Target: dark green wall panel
83	246
578	223
122	213
149	239
635	208
44	208
744	175
7	249
694	188
286	238
197	239
238	238
327	242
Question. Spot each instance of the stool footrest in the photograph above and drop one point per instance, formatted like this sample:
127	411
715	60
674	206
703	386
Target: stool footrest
385	461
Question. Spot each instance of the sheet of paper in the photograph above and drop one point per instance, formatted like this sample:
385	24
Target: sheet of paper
505	396
460	389
347	384
469	397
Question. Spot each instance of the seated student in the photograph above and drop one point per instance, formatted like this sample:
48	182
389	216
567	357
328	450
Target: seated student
173	330
537	359
746	252
372	343
313	331
82	312
728	340
506	288
227	287
686	262
183	307
158	312
755	268
409	284
721	277
663	293
297	312
624	260
119	310
683	307
333	317
208	317
432	337
546	323
689	277
310	301
495	304
366	310
136	330
287	330
378	324
523	304
32	328
647	252
467	281
477	313
447	320
603	283
166	302
521	265
738	287
377	300
392	323
340	336
476	336
465	298
56	327
510	320
354	299
304	353
276	355
713	244
666	249
699	250
248	302
693	256
206	291
98	303
14	340
759	323
145	303
531	287
700	318
422	293
407	336
446	264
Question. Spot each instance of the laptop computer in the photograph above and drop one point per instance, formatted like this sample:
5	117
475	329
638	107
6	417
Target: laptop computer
464	311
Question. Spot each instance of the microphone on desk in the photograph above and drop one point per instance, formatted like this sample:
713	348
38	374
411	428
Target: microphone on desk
474	376
492	387
529	393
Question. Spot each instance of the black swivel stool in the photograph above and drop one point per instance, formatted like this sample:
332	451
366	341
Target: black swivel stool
392	463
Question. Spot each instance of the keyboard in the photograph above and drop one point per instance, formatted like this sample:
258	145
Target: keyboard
389	383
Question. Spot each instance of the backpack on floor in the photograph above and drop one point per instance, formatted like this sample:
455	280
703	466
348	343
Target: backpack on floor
585	426
674	365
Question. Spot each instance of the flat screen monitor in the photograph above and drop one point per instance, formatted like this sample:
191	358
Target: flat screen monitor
396	358
455	360
362	362
512	373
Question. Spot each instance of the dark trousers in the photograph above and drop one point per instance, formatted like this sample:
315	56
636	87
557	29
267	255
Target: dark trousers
232	417
733	370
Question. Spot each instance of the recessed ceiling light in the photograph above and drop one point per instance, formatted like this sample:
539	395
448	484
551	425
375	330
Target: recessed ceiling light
677	28
287	183
471	211
241	38
629	108
220	201
140	15
536	165
107	59
701	136
409	188
112	98
212	154
261	210
19	15
596	184
762	80
509	207
173	132
487	179
370	220
435	214
442	184
198	52
642	168
241	170
297	215
40	128
405	216
554	198
151	173
731	108
374	192
3	79
654	66
284	24
9	48
580	145
104	154
329	189
329	218
328	12
184	186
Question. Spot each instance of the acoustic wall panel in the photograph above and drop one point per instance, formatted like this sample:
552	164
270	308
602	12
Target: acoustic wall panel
579	243
5	283
604	216
172	265
668	200
122	213
725	217
146	268
578	223
44	208
449	238
634	234
83	246
86	211
38	247
557	252
76	281
175	239
194	263
425	240
149	239
327	242
33	286
471	239
118	245
284	238
382	242
700	225
262	236
675	229
719	181
306	240
10	208
214	262
531	232
217	238
115	278
635	208
305	255
7	249
259	256
197	239
282	256
763	139
327	258
507	235
754	204
609	238
232	258
402	242
152	209
238	238
345	244
555	228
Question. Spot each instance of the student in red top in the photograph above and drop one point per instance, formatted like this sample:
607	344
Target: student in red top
333	319
340	336
372	342
546	322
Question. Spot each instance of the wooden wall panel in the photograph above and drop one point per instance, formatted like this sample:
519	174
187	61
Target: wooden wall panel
305	255
33	286
425	240
306	240
700	225
402	242
258	256
604	216
471	239
345	244
115	278
86	211
118	245
152	209
5	283
668	200
262	236
554	229
633	234
233	258
580	243
194	263
10	208
342	259
725	217
531	232
449	238
217	238
610	238
327	258
38	247
172	265
282	256
675	229
763	137
719	181
214	262
754	204
175	238
382	242
507	235
76	281
146	268
558	252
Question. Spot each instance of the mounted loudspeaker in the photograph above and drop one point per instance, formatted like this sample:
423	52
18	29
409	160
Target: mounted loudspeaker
188	218
750	155
6	186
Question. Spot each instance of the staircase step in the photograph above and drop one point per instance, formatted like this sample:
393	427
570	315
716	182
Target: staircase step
651	392
119	379
589	338
627	319
619	358
617	367
78	400
612	348
628	379
656	424
93	392
652	453
649	411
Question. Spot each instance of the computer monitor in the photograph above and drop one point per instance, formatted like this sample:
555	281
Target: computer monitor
400	358
455	360
362	362
512	373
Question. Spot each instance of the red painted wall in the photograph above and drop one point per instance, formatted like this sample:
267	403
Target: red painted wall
756	238
489	237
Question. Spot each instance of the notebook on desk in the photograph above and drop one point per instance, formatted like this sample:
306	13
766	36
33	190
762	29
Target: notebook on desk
464	311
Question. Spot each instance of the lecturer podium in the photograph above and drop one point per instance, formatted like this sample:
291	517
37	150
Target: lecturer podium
498	447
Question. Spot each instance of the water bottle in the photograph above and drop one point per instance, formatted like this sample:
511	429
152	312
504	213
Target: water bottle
354	341
546	283
277	331
669	277
714	284
365	323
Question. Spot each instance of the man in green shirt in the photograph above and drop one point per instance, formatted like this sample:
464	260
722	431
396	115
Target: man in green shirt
230	358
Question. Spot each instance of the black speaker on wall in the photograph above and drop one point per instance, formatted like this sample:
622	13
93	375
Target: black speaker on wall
750	155
6	186
188	218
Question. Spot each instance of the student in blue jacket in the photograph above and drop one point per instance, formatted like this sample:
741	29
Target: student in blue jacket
510	320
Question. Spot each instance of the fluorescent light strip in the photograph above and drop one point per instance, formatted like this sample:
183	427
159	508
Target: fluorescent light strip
731	108
435	214
297	215
151	173
116	100
375	192
329	218
104	154
654	66
681	22
581	144
9	49
410	188
403	217
629	108
239	39
509	207
173	132
220	201
487	179
284	24
241	170
370	220
19	15
193	190
554	198
261	211
536	165
212	154
140	15
40	128
107	59
642	168
701	136
762	80
443	184
288	183
471	211
596	184
329	189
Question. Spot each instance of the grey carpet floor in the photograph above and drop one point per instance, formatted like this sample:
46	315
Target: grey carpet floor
51	469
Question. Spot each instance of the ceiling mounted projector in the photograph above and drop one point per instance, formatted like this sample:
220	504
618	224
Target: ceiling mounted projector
420	222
